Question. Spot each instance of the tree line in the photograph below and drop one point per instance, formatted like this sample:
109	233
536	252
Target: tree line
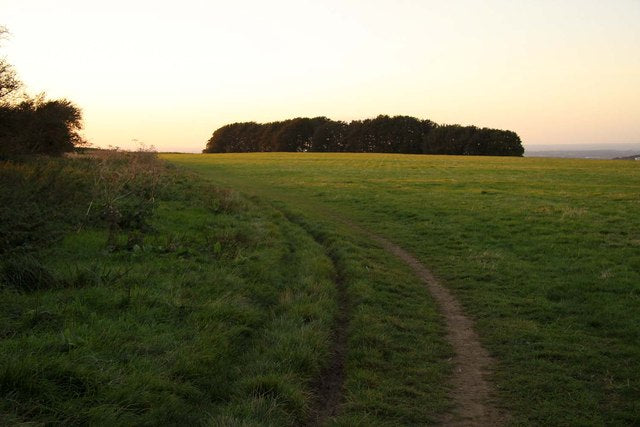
34	125
383	134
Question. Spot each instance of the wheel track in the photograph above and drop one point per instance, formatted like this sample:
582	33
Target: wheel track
472	394
328	386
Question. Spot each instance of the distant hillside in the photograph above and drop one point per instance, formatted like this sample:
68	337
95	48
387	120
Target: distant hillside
584	151
634	157
582	154
384	134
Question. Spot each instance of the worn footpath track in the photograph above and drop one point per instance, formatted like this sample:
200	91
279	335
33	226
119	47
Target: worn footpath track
328	387
472	393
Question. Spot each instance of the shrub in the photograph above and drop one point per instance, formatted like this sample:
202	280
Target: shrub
40	199
126	186
39	126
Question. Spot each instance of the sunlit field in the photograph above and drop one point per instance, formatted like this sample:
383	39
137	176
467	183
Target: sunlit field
544	255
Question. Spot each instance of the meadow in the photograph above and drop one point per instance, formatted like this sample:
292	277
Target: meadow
543	254
250	289
132	293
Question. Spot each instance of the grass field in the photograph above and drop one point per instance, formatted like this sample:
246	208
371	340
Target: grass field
544	255
220	310
242	289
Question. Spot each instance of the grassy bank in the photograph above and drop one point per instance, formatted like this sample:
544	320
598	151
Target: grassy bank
188	319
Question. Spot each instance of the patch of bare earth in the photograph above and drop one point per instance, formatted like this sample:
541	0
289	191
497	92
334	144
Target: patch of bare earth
472	393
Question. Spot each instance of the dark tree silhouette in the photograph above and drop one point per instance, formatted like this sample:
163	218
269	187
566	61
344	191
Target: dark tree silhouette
383	134
38	126
329	136
34	125
294	135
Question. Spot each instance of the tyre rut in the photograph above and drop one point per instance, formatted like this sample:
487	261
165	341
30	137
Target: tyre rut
328	386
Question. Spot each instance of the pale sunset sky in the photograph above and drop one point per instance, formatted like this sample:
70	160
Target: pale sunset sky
168	73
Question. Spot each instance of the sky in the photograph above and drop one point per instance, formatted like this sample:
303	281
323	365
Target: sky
168	73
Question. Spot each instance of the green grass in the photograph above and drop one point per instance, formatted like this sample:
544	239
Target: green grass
397	359
544	254
189	326
216	301
217	308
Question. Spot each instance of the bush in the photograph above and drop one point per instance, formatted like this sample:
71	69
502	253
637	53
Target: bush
126	187
40	199
39	126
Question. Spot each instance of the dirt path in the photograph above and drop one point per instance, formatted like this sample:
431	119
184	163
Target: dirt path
472	393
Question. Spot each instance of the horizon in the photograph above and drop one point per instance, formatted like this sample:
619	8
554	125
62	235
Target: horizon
169	75
628	148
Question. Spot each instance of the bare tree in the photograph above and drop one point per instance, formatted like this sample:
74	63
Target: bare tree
9	82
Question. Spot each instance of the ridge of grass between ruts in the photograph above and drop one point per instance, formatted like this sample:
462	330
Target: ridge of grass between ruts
398	361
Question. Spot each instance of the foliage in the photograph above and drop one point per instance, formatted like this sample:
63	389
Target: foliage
41	199
126	185
9	83
34	125
39	126
384	134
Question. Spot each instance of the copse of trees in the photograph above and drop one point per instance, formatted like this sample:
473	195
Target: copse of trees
39	126
34	125
383	134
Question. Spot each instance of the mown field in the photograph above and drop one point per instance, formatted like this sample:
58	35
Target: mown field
544	255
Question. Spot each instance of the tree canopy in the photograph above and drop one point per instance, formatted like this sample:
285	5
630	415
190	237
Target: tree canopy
383	134
34	125
39	126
